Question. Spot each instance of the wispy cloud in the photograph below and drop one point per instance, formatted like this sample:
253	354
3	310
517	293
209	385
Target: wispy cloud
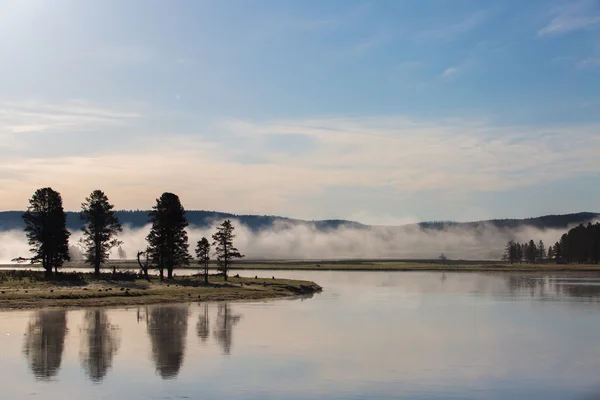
449	72
33	116
590	62
452	30
573	16
397	153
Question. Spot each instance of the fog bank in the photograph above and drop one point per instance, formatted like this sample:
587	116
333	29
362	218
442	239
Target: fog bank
286	240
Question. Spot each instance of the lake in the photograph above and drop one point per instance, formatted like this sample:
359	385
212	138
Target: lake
369	335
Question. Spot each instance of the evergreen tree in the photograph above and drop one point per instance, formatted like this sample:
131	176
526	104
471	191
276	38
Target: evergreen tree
520	252
541	252
101	227
550	255
203	255
581	244
510	252
223	242
45	226
557	252
531	252
168	239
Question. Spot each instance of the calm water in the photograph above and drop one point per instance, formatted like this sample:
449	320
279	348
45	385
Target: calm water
369	335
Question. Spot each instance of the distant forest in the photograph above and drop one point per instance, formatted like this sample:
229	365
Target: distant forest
579	245
563	221
10	220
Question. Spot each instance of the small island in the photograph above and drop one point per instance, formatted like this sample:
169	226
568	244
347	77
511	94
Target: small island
24	289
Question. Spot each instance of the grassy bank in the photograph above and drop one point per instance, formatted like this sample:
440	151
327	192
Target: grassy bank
29	289
386	265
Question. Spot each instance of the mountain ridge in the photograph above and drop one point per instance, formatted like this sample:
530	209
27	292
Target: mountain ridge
11	220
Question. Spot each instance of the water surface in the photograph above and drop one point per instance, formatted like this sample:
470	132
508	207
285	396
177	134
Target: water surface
388	335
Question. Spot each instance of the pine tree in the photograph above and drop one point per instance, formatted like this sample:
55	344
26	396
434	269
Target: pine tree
531	253
541	252
557	252
101	227
520	252
46	229
223	242
168	239
510	252
203	255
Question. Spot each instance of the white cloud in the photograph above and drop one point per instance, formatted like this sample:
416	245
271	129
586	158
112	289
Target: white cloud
448	72
396	154
575	15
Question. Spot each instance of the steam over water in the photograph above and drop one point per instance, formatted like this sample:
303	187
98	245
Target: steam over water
299	241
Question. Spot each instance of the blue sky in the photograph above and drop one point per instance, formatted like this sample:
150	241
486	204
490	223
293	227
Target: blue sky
378	111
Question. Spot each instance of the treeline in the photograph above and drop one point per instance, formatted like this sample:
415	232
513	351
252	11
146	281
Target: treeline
168	248
529	252
579	245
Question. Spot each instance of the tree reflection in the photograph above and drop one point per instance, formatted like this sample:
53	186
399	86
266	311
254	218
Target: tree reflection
45	342
100	344
203	325
223	332
167	328
540	286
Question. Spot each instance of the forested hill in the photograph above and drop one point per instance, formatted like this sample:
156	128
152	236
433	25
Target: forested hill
136	219
545	222
12	220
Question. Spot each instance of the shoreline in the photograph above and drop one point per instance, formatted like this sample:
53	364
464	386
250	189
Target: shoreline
25	291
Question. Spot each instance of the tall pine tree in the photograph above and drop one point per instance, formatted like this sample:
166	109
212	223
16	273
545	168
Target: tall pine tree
101	227
168	239
46	229
223	242
203	255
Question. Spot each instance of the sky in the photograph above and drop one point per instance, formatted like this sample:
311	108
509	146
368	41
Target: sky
383	112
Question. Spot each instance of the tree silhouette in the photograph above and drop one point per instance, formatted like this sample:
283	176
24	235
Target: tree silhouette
203	255
168	240
203	325
541	248
101	227
223	332
45	226
100	343
223	242
531	252
45	342
167	328
581	245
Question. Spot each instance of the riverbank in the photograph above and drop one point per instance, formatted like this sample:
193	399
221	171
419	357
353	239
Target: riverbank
28	289
457	266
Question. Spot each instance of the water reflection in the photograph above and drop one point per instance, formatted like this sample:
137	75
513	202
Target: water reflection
535	286
100	343
223	332
45	342
167	328
385	335
203	326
